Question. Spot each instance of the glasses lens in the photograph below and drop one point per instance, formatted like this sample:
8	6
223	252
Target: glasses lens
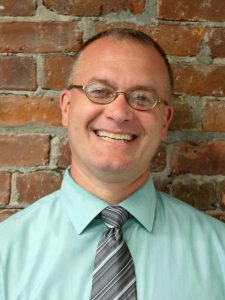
99	92
142	100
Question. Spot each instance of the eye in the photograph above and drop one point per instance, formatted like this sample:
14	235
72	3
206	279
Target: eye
142	98
98	90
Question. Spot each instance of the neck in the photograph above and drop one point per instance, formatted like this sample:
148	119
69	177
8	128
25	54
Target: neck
111	191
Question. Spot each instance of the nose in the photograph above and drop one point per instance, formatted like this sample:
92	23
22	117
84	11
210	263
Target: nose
119	110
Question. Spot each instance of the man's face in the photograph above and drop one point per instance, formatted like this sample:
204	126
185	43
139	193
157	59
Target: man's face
114	142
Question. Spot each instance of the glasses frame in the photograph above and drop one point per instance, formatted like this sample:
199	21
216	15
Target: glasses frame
82	88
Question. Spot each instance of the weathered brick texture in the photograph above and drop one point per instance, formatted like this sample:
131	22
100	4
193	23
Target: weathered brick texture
64	153
17	73
159	160
57	70
214	116
199	79
17	8
199	195
199	158
191	10
95	7
5	179
222	194
32	186
17	110
217	42
24	150
183	118
39	37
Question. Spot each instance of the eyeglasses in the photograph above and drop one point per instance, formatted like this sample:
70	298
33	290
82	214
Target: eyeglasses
101	93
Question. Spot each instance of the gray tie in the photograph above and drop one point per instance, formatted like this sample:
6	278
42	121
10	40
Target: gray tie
114	275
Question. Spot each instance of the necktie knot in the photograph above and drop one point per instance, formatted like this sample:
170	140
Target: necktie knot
114	216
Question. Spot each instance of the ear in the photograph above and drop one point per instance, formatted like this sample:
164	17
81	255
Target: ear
168	115
65	98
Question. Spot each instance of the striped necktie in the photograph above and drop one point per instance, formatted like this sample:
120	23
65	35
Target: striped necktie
114	275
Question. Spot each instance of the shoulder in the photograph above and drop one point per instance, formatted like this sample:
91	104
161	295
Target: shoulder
187	217
30	217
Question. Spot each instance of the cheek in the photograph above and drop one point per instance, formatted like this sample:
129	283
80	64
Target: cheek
82	114
154	129
150	122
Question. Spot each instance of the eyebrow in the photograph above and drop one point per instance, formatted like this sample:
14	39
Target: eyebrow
104	81
112	84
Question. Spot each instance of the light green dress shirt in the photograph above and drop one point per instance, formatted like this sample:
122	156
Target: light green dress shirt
47	251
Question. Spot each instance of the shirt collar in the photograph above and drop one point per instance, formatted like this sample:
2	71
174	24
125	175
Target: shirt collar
142	204
82	207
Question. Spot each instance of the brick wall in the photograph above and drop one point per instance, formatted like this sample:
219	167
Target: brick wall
37	42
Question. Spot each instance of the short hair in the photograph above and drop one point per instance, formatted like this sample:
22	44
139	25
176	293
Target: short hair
127	34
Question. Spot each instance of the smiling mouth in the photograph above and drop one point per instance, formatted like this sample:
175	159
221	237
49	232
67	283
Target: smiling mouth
109	136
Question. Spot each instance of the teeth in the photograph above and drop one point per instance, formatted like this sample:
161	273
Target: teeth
112	136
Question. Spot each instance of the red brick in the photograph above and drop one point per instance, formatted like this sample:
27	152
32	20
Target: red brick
32	186
199	195
222	194
17	110
203	80
159	160
64	157
213	119
217	42
17	73
199	158
199	10
172	38
94	7
5	179
5	213
17	8
182	118
39	37
57	70
24	150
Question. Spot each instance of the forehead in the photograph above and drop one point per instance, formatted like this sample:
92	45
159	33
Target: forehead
124	60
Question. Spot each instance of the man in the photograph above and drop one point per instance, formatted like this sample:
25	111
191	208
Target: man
117	113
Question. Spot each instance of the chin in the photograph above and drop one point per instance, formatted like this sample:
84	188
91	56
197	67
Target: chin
112	166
